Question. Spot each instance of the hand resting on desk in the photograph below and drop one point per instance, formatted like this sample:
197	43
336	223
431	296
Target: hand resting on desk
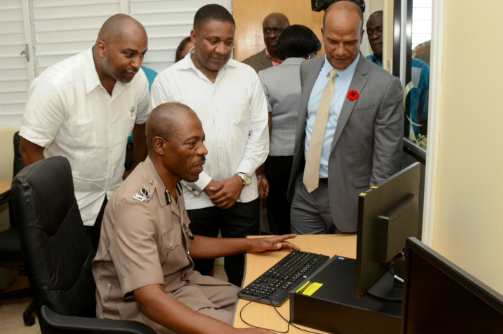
210	248
260	245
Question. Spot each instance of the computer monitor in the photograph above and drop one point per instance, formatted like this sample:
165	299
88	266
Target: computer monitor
440	297
387	215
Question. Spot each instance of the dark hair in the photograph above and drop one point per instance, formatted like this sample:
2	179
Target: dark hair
181	46
297	41
212	12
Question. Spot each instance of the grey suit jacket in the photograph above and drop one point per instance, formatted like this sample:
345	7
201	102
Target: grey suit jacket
281	86
259	61
367	145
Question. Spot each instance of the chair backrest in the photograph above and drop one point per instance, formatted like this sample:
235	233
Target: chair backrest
18	161
56	248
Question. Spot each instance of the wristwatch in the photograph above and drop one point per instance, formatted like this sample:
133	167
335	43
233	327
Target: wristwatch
246	179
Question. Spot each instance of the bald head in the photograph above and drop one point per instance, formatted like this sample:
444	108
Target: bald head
342	33
274	24
166	120
119	25
175	139
344	6
119	50
279	17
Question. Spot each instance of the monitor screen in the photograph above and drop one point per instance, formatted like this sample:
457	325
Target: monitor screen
440	297
387	215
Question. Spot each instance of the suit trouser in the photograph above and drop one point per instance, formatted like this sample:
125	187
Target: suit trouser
277	171
310	212
241	220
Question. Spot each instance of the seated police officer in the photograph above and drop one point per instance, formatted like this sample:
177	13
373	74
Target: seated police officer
144	269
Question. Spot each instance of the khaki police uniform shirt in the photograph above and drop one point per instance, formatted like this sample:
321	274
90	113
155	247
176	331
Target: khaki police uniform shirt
144	241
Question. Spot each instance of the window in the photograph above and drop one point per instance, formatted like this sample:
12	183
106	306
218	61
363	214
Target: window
53	30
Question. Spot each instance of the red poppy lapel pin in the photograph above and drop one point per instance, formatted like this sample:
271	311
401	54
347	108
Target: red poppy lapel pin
353	95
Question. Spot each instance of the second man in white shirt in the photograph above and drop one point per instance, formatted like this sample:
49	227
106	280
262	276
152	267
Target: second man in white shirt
229	100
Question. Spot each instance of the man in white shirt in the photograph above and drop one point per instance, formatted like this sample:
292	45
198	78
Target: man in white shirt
85	107
228	98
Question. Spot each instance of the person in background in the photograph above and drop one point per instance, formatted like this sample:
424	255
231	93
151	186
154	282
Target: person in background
349	129
420	76
274	24
85	107
229	100
151	74
282	89
183	48
422	52
143	268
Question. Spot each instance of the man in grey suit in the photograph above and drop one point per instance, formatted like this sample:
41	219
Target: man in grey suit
358	140
273	26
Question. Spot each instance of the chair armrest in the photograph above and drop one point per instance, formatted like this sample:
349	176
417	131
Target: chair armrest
92	324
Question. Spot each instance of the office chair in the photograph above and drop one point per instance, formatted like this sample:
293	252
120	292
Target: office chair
10	246
58	253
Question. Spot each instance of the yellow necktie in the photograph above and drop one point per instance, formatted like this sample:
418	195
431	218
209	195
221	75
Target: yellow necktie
312	170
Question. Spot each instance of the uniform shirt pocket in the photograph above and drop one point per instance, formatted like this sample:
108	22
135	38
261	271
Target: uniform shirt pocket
171	253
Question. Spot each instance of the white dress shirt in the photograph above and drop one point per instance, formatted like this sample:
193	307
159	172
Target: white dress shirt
71	114
233	111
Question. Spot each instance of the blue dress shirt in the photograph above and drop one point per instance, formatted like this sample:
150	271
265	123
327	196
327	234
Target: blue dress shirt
342	82
420	76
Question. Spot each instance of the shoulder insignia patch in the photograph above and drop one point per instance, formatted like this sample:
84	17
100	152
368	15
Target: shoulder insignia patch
139	198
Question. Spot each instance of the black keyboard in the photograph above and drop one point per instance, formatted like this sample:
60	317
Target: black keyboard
273	286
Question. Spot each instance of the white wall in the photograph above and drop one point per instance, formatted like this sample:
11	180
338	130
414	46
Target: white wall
468	227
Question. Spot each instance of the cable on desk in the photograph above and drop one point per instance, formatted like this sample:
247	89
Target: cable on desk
269	329
272	330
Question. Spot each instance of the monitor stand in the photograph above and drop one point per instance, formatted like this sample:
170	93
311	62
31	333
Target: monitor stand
388	288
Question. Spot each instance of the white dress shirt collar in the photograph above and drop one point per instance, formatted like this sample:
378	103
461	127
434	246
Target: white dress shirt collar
187	63
92	79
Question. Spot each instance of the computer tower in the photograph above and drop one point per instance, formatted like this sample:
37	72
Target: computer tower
327	302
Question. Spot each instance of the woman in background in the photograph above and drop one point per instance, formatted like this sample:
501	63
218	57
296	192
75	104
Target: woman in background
183	48
282	89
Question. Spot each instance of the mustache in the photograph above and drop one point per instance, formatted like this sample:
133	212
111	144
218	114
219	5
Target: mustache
203	160
131	69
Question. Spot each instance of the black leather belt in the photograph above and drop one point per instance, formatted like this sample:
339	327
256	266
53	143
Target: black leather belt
324	180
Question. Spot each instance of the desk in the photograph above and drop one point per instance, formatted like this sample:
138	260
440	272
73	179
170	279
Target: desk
256	264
